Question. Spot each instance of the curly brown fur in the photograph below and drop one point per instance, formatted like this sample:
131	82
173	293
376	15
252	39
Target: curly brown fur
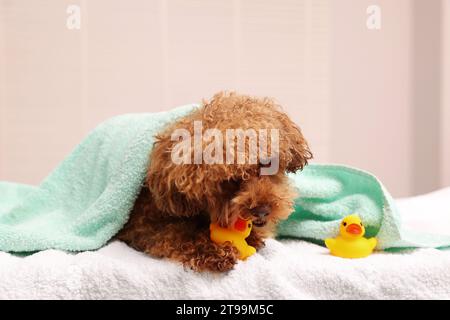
172	214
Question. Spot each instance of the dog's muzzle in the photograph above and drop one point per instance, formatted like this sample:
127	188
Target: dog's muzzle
260	214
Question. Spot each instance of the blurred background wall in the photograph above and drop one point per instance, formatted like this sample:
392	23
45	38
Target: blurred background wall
371	95
445	85
376	99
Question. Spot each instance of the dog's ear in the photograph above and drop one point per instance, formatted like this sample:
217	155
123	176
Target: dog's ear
174	187
297	150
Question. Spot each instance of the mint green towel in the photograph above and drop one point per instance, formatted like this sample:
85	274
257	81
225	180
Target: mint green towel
330	192
87	199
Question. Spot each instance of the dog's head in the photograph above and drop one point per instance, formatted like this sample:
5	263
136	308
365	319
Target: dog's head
228	159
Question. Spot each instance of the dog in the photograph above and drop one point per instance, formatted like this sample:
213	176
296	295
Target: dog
179	201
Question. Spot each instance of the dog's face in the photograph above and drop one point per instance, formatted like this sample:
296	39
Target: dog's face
264	199
223	179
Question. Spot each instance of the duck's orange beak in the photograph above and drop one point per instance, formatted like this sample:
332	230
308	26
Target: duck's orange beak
354	229
240	224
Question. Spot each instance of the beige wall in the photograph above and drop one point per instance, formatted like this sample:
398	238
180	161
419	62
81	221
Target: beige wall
445	124
426	95
2	89
40	89
371	93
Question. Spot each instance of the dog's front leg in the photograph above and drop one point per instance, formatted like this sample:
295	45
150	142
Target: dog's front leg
255	239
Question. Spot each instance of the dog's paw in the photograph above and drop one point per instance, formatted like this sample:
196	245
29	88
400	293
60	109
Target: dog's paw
255	241
218	258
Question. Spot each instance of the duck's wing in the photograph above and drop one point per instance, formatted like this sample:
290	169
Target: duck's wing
330	243
373	243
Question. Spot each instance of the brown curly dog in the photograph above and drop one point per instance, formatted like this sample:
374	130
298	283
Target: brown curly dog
172	214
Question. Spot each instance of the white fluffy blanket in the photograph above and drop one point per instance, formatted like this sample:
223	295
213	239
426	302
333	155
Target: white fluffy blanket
282	270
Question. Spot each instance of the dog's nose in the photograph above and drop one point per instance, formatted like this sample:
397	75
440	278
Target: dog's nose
260	211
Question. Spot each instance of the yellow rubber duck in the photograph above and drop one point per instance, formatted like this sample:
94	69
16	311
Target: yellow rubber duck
351	243
236	235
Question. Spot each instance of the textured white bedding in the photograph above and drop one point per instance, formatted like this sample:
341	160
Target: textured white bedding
282	270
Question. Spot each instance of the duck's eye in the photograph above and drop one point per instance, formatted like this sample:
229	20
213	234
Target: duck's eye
344	223
249	225
360	224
